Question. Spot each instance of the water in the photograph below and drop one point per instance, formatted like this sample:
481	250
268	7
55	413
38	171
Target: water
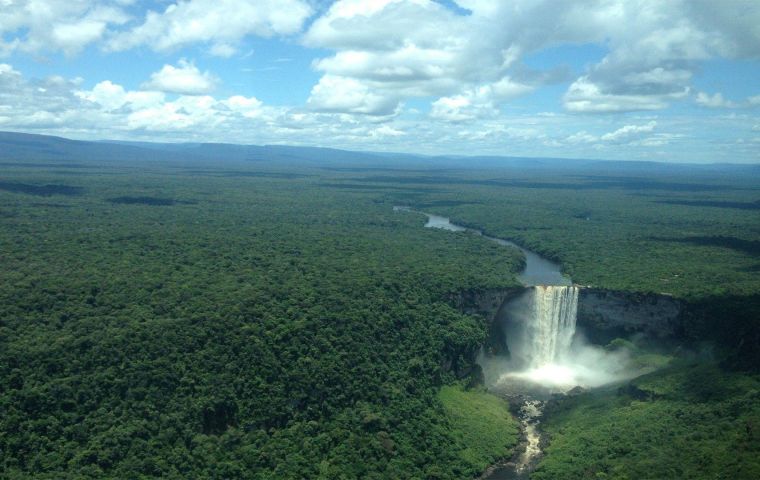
530	417
435	221
545	339
538	270
552	325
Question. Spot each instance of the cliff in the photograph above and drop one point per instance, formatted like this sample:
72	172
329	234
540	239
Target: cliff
486	302
606	314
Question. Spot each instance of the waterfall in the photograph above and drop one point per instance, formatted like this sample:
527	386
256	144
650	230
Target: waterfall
551	330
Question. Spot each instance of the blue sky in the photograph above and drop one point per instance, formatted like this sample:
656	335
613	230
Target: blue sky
611	79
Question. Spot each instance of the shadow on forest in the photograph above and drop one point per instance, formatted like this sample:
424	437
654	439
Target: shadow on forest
358	186
42	165
49	205
243	173
751	247
713	203
587	183
384	169
731	322
41	190
155	201
445	203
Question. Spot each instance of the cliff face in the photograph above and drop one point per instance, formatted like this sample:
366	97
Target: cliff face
606	314
602	316
484	302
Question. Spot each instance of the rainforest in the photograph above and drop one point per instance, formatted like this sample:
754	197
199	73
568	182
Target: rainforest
178	314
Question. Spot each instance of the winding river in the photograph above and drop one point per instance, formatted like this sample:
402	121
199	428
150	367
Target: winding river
538	271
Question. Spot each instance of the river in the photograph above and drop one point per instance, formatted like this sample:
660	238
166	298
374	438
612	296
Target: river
538	271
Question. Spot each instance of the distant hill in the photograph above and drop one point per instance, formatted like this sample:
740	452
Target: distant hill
25	148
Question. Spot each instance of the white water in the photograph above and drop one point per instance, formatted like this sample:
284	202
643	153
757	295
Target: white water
551	332
542	361
545	355
530	415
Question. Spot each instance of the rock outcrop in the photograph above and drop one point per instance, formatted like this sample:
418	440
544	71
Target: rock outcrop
606	314
486	302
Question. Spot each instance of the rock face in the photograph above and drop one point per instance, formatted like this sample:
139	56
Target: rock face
487	304
484	302
603	315
606	314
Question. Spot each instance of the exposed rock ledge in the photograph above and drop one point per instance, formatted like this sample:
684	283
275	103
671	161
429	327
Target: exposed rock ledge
486	302
602	314
606	314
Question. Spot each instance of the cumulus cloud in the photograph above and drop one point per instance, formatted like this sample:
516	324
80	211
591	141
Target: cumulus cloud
387	51
184	79
459	108
395	48
109	110
626	135
110	96
714	101
653	47
586	96
220	23
342	94
469	59
33	26
628	131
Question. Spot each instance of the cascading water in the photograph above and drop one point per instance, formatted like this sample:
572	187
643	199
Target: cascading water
552	324
543	325
539	328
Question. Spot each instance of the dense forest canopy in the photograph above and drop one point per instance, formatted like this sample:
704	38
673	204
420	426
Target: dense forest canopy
269	320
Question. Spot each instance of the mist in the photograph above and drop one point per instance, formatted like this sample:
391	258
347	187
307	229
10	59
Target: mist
546	351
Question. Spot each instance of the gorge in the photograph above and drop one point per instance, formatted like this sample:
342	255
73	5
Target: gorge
539	351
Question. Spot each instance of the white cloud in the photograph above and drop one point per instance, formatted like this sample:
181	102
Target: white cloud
223	50
714	101
375	55
109	110
220	23
106	94
396	49
421	48
656	140
342	94
384	131
582	137
111	96
249	107
629	131
459	108
588	97
33	26
625	135
185	79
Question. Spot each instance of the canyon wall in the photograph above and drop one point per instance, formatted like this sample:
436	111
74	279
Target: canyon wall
606	314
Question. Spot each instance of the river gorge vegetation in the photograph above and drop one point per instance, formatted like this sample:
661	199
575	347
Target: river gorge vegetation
272	320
